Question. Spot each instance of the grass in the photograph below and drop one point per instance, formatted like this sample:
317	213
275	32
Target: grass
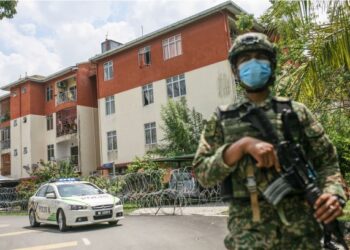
129	208
13	213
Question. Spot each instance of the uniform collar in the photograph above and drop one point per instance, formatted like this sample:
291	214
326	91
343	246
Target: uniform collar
266	104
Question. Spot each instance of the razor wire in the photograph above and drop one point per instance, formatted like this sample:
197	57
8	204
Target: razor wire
11	200
148	189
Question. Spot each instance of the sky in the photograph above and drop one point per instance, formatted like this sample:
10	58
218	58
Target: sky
47	36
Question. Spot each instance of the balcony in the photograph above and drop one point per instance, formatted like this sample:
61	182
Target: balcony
5	144
4	117
66	122
67	96
66	127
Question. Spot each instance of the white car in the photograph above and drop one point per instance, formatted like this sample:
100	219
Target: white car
71	202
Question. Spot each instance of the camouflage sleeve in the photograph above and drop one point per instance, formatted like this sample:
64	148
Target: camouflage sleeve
208	164
321	153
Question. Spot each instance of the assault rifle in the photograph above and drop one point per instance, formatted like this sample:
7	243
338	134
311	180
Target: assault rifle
297	172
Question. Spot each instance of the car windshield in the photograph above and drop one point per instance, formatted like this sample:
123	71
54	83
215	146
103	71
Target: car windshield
77	189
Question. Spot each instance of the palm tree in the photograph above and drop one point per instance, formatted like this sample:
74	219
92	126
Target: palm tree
316	59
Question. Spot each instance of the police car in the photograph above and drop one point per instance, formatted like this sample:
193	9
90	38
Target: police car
71	202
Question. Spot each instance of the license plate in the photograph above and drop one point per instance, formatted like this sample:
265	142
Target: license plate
105	212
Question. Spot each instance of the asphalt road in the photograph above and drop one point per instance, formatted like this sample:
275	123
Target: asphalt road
133	233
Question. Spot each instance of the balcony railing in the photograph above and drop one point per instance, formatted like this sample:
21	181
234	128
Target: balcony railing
65	127
5	144
67	96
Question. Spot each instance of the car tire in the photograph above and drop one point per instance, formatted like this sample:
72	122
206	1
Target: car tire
32	219
61	221
113	223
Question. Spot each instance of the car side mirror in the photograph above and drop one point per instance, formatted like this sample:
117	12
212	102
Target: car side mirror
104	190
50	196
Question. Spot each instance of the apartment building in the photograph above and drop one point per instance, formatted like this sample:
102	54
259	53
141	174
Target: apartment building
5	141
104	112
185	59
51	118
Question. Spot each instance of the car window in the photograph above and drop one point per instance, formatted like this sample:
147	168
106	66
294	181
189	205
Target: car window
50	189
41	191
78	189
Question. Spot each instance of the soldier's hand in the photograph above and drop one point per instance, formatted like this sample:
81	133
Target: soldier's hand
327	208
263	152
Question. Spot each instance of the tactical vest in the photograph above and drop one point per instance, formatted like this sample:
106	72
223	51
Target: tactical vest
235	127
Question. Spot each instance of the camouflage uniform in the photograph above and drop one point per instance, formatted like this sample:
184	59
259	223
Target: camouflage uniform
270	232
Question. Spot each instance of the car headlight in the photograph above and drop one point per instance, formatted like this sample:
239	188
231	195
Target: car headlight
118	203
78	207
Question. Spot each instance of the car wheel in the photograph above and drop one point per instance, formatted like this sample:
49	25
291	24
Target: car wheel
61	220
113	223
32	219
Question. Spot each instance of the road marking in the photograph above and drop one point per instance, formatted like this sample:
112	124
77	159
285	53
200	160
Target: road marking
86	241
18	233
4	225
51	246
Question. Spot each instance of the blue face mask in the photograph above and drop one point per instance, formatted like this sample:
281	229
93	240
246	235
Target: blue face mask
255	73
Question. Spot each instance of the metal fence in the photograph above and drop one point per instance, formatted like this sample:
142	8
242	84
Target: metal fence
157	189
10	200
182	189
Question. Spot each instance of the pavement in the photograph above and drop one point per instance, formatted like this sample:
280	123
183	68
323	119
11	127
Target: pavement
219	210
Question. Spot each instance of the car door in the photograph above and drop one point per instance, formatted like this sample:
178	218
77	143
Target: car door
38	200
48	207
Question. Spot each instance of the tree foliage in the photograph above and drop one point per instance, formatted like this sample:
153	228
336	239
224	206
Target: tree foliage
43	173
313	38
181	127
244	22
8	9
142	164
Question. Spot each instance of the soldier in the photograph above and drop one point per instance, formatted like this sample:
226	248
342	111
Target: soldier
231	149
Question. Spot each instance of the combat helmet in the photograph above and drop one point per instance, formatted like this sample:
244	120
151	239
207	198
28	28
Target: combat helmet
252	41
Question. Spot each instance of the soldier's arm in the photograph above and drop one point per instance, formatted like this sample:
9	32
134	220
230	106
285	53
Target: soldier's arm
209	166
322	153
215	160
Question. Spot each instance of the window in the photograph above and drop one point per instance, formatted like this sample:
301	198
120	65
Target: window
41	191
49	190
49	93
145	56
172	47
176	86
14	123
25	150
49	122
112	140
147	94
24	90
5	134
150	133
15	152
108	70
50	152
110	106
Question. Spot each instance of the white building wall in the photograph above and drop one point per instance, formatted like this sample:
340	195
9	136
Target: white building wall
88	141
37	130
16	144
28	133
206	88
